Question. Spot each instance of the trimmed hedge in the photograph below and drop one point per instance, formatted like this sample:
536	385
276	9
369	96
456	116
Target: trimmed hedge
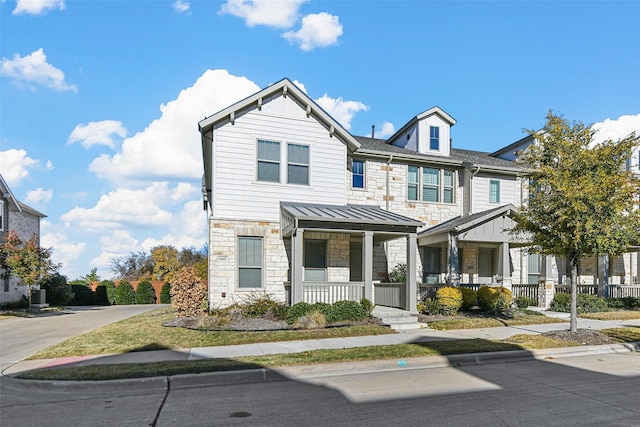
125	295
82	295
469	297
165	294
145	294
450	299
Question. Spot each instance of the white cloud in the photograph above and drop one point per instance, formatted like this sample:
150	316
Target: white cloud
616	129
169	148
64	251
16	165
97	133
37	7
186	231
118	244
39	196
279	13
34	69
341	110
387	129
317	30
123	208
181	6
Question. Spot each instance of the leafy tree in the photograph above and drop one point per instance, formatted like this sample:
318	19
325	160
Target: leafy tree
26	260
165	262
125	294
135	266
58	290
192	256
582	202
92	276
145	294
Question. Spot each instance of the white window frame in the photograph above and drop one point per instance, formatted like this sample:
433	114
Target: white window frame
307	165
268	161
497	199
436	138
420	184
250	267
364	174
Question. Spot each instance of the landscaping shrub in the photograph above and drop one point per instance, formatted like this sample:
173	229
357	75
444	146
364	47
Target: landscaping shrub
296	311
165	293
615	303
315	319
145	294
367	306
487	298
125	295
398	274
591	304
450	300
188	293
524	302
469	297
561	302
626	303
505	298
110	289
100	295
262	305
429	306
323	307
57	289
342	311
82	295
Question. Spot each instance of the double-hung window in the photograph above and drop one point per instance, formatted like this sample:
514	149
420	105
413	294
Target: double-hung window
430	185
268	161
447	186
434	138
298	164
494	191
412	183
357	174
249	262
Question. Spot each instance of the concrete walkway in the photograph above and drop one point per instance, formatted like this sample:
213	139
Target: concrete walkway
407	337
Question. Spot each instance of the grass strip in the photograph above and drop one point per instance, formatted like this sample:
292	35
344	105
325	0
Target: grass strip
612	315
478	322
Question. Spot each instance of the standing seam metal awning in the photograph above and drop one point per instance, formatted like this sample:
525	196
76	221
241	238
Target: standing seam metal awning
346	217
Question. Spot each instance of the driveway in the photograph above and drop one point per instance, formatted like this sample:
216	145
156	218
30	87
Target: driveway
22	336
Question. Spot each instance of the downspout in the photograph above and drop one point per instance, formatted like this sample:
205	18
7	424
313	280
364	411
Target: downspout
387	189
471	189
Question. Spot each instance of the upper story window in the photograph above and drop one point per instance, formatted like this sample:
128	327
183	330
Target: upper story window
412	183
494	191
438	185
357	174
268	161
1	215
298	164
434	138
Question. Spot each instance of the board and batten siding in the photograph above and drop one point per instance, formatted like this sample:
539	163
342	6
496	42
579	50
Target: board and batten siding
237	194
509	191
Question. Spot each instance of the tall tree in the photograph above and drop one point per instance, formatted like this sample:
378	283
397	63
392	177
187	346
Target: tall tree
135	266
582	202
165	262
26	260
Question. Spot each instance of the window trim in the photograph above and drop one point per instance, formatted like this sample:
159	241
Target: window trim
416	183
268	161
497	199
306	268
253	267
435	138
363	174
420	185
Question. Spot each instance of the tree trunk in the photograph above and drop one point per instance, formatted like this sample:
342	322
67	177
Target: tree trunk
573	261
29	296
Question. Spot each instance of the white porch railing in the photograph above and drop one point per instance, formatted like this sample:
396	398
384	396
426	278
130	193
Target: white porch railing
390	294
331	292
523	290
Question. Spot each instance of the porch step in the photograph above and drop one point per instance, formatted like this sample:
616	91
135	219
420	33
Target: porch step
397	319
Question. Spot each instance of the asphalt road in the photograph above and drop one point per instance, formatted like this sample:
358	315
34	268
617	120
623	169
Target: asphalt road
22	336
588	390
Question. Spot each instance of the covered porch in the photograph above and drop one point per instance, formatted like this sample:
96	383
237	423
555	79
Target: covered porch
332	250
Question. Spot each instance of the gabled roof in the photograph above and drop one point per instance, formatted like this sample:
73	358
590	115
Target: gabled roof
7	194
462	223
286	88
430	112
512	147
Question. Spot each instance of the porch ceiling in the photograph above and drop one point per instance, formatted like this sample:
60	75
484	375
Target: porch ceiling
343	218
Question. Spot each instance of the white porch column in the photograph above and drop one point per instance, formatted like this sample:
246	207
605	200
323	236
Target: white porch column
412	247
504	265
453	261
367	264
546	283
296	266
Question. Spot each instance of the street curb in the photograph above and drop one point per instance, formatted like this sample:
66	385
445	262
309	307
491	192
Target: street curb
142	385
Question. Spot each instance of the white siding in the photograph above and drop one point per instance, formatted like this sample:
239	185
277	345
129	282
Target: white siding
236	192
423	136
408	140
509	191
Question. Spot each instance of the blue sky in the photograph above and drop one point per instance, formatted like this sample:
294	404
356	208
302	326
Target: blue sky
100	99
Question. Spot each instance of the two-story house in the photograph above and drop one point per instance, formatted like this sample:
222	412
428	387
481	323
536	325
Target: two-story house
303	210
25	221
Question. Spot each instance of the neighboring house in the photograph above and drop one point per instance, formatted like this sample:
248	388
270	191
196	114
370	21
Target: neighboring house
302	210
25	221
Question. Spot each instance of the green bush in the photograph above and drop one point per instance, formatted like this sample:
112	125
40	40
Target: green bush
57	289
110	289
367	306
561	302
315	319
82	295
505	298
591	304
429	306
450	300
342	311
165	293
125	295
524	302
487	298
398	274
262	305
322	307
100	295
145	294
469	297
626	303
296	311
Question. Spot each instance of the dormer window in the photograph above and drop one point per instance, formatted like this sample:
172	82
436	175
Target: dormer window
434	138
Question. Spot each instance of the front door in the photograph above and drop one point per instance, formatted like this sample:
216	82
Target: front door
355	262
485	266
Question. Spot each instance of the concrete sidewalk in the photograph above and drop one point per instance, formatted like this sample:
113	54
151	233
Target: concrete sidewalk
408	337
